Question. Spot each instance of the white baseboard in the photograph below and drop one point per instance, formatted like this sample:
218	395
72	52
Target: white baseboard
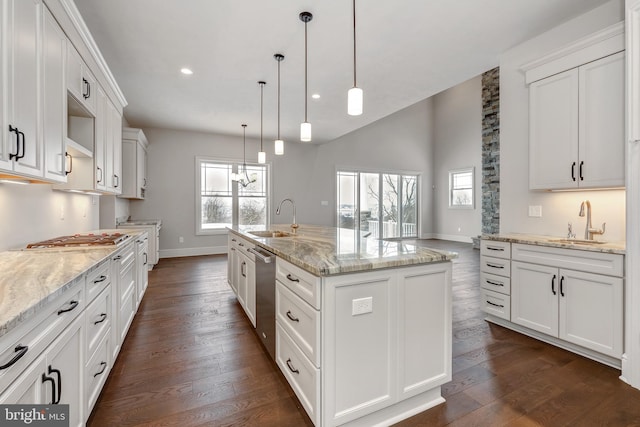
208	250
452	237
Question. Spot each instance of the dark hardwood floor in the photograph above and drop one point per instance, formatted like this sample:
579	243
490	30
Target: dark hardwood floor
192	359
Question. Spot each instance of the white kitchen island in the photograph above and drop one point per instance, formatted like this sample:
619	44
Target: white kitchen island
363	326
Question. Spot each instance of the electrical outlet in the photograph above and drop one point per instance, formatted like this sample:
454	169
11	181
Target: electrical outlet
180	239
324	203
62	212
361	306
535	211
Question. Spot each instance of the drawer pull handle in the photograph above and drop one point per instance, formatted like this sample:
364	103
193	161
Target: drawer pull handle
553	284
495	305
290	316
291	368
117	258
73	305
494	265
240	244
291	278
102	278
104	366
495	249
494	283
103	317
21	350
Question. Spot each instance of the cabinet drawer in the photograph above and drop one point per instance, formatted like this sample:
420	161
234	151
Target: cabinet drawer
300	320
96	372
495	248
303	377
587	261
495	283
98	319
127	312
497	266
497	304
301	282
97	280
27	342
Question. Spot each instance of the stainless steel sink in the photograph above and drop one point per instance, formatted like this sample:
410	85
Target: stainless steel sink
270	233
577	241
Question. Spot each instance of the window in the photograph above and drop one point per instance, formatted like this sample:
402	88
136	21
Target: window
222	202
461	194
383	205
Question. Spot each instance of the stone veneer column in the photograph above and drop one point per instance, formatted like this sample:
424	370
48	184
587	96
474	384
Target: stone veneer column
491	151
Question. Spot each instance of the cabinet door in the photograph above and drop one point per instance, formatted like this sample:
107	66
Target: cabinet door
54	45
591	311
553	132
534	296
110	180
65	363
100	141
602	122
6	137
242	278
22	79
141	175
114	149
250	299
28	388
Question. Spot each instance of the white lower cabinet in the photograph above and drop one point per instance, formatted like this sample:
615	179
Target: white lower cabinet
578	307
572	295
56	377
241	274
356	348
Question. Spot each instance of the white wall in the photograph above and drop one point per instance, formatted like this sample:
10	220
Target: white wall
400	142
31	213
458	145
557	208
171	176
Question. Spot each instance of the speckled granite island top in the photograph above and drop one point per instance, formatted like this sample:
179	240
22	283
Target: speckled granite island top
558	242
325	251
30	279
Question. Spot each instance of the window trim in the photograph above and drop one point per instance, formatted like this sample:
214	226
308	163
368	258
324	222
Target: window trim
235	165
452	173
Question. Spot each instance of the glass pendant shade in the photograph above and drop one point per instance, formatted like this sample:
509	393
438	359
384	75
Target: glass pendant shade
354	101
305	132
262	157
279	147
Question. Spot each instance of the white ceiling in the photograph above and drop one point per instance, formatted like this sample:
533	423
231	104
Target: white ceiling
408	50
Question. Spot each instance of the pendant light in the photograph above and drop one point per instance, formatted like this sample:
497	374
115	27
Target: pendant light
279	143
262	156
354	96
243	180
305	127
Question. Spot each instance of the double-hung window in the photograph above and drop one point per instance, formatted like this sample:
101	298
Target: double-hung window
230	194
382	205
461	189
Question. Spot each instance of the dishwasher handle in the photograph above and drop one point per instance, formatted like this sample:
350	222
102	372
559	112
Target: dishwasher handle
264	256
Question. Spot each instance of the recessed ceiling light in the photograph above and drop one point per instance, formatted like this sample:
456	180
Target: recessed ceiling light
316	96
186	71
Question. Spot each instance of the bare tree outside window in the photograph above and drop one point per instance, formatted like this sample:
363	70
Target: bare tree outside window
461	188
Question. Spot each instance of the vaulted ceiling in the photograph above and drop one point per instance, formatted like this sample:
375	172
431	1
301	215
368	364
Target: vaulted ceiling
407	50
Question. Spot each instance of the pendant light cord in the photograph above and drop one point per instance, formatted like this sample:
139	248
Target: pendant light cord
305	72
261	109
279	99
354	44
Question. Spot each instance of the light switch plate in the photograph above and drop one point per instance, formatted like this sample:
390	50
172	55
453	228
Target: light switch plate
361	306
535	211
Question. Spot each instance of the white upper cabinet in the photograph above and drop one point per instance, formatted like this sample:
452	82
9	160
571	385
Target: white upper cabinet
576	134
576	114
54	105
80	81
21	150
134	163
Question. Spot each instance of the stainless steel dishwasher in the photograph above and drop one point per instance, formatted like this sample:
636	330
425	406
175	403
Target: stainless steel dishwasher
266	298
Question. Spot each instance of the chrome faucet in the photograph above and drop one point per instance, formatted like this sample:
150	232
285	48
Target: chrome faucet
294	226
589	231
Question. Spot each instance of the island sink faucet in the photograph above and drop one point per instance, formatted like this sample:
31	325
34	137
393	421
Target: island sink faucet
589	231
294	226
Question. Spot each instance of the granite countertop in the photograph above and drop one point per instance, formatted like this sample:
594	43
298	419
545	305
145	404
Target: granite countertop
559	242
29	279
325	251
